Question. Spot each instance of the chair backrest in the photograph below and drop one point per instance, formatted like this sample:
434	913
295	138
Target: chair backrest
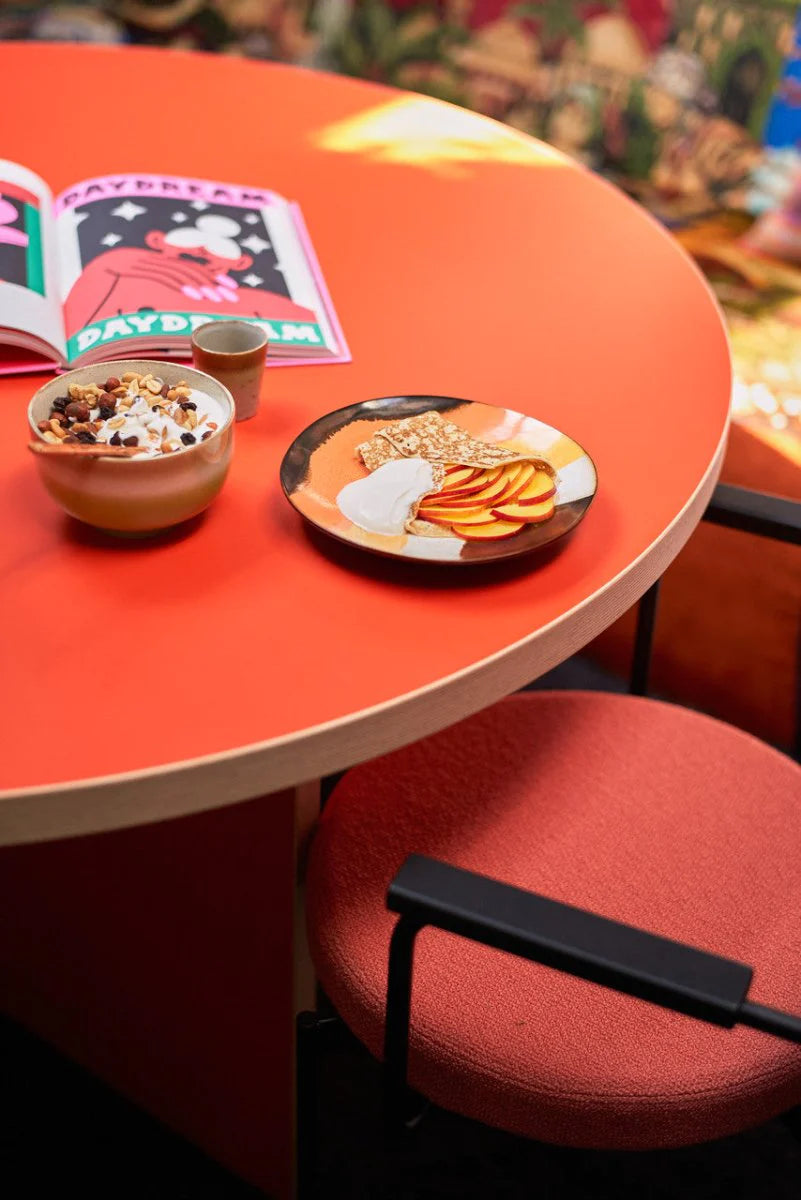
751	512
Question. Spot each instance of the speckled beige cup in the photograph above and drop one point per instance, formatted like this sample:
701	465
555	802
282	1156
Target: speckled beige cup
140	495
234	353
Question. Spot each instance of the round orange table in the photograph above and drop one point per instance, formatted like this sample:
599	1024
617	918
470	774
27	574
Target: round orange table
196	671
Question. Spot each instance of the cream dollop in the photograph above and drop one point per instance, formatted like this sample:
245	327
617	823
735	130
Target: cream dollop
382	501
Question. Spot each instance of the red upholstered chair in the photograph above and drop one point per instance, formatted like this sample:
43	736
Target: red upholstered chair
527	1013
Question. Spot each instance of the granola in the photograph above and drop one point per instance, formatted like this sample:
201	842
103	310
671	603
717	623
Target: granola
135	411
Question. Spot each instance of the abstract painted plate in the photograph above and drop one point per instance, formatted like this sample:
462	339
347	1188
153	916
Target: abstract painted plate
323	459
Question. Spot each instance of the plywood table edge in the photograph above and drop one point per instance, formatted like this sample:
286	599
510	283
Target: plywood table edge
141	797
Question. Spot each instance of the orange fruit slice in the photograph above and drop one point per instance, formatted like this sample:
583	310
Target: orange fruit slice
486	495
466	516
488	533
525	475
539	489
512	473
456	476
529	514
480	480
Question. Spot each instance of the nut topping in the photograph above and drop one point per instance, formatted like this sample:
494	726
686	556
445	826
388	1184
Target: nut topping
136	411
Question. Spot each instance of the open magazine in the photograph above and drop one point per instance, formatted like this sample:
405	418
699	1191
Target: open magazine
126	266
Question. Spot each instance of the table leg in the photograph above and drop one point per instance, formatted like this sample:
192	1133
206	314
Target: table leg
170	960
307	810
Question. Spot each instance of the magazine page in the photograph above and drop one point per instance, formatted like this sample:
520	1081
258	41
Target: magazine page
147	258
304	278
30	309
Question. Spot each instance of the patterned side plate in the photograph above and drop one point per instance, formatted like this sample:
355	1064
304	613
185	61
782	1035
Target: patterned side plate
322	460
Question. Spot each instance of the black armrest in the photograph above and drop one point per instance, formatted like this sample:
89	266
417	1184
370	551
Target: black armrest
755	512
570	939
690	981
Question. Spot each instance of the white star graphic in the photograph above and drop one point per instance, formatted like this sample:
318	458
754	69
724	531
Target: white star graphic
252	219
252	280
199	205
128	211
256	244
110	239
179	216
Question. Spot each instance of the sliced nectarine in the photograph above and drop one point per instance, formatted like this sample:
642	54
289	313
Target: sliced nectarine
487	495
456	476
488	533
481	480
466	516
539	489
523	477
513	472
442	500
530	514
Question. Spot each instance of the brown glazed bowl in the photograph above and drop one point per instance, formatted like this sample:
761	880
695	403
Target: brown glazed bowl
139	495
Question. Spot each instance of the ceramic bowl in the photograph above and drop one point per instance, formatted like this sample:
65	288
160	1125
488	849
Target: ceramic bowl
137	495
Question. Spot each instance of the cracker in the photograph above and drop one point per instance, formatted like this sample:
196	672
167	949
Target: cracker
430	436
376	452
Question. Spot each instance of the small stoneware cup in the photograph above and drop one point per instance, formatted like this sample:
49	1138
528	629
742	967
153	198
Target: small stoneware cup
233	352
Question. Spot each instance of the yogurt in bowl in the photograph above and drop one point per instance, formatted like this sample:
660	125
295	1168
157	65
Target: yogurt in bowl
134	446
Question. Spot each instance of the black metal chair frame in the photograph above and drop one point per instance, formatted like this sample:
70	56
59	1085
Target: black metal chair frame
426	892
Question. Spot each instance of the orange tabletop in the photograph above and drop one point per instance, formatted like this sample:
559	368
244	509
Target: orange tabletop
464	260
